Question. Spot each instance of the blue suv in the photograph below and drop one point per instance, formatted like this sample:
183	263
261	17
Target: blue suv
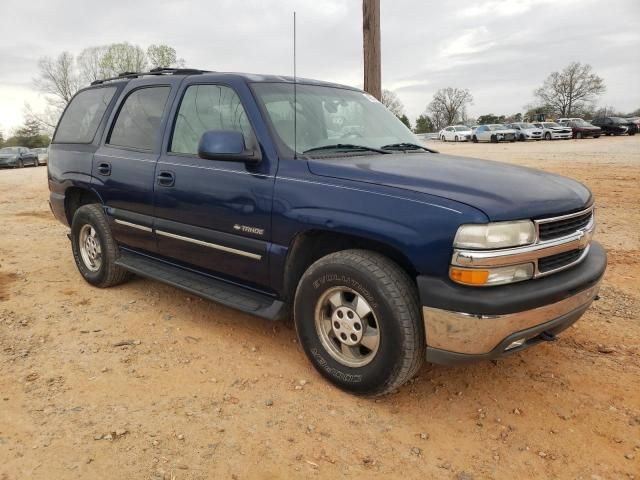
310	199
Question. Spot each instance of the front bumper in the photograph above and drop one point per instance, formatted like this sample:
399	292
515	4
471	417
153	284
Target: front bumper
8	162
464	324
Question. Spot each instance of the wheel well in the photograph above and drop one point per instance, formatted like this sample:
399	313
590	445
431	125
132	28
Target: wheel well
76	197
310	246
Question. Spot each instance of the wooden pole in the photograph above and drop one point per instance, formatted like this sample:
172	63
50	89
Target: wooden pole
371	47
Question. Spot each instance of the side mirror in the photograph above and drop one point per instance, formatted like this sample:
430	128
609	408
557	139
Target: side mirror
226	145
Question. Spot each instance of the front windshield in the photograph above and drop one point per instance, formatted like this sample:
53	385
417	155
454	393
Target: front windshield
497	127
582	123
9	150
527	125
461	129
618	120
550	124
329	116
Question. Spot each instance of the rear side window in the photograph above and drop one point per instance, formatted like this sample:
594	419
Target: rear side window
138	121
83	115
208	107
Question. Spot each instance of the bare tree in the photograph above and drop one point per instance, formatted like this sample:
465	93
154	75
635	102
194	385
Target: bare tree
392	102
449	106
91	63
58	79
571	90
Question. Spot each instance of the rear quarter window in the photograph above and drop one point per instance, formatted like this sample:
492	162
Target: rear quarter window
82	117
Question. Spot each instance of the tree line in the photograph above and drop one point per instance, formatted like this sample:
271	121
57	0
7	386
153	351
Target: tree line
571	92
60	77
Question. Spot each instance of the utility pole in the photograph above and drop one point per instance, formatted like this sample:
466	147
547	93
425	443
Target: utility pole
371	47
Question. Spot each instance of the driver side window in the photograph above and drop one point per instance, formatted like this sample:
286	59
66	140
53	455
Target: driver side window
204	108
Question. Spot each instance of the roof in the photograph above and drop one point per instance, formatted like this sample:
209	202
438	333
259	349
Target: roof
249	77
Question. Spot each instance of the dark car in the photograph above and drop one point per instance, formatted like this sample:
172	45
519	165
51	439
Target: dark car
17	157
615	125
582	128
384	252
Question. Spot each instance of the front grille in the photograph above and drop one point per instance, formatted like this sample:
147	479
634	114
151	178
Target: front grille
566	226
546	264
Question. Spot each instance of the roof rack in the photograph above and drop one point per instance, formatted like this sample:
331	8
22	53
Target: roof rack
153	71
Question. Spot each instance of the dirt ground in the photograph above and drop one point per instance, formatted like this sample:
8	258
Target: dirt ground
145	381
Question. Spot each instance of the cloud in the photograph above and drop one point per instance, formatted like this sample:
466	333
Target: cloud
500	50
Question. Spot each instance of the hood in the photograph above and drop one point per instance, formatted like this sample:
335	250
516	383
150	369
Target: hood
500	190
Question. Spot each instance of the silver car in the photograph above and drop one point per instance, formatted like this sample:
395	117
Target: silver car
526	131
554	131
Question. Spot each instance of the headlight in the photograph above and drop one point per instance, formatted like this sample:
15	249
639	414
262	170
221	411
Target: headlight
491	276
495	235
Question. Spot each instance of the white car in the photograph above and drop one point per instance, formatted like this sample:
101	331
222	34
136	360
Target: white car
526	131
455	133
493	133
554	131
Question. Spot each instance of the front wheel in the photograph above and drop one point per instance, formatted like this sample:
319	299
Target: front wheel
94	248
358	319
547	136
456	139
474	139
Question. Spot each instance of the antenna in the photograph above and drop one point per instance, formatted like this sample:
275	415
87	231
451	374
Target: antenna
295	94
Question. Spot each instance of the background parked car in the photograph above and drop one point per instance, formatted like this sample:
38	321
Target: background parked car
455	133
615	125
582	128
553	131
43	155
493	133
17	157
526	131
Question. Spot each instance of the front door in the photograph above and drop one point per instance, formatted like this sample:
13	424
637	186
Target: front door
213	215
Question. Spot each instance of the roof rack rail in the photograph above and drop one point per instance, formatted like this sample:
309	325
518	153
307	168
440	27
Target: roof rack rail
153	71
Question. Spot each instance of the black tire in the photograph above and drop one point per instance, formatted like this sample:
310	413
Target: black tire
393	299
20	164
108	274
521	139
632	134
456	139
596	136
444	139
494	139
474	139
579	135
547	136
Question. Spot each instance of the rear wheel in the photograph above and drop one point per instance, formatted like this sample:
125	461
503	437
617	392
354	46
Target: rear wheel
579	135
94	249
358	319
20	164
494	139
456	139
474	139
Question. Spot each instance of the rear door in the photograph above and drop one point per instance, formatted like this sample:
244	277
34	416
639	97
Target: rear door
123	170
214	215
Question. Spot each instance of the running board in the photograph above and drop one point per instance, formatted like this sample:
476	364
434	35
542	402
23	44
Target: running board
203	286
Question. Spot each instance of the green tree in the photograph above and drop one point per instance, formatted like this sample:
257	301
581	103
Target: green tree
1	140
404	119
30	135
160	56
490	118
424	124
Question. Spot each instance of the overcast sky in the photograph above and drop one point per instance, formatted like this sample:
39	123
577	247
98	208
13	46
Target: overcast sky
499	49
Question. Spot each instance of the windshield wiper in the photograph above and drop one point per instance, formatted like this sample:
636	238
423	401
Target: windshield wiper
346	147
405	146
